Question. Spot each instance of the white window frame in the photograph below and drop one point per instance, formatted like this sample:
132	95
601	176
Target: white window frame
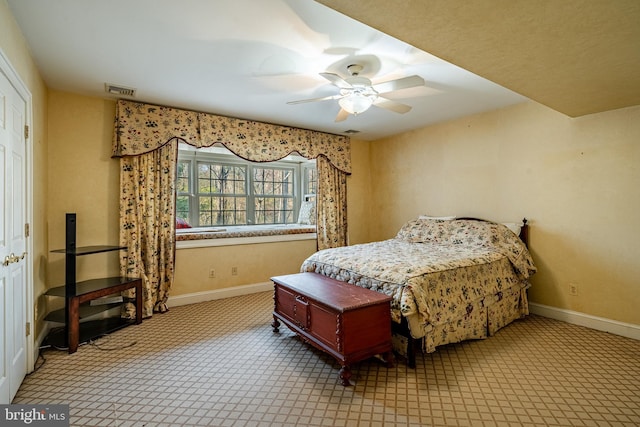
193	156
307	193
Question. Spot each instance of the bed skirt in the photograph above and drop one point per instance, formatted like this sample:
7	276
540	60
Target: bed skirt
483	319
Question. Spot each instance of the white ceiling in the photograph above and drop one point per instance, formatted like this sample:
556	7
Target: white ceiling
243	58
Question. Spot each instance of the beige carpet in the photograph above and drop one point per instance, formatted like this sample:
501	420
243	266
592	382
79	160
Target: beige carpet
218	363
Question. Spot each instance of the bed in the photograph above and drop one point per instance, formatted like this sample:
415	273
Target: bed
450	279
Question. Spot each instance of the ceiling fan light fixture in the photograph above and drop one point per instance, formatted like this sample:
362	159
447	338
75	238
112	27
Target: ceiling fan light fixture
358	93
356	103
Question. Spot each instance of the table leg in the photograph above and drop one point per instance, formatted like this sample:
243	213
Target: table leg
73	339
275	325
389	359
345	374
411	352
139	302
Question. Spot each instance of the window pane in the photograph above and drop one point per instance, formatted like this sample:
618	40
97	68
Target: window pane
273	181
273	191
221	179
274	210
205	219
205	183
182	179
258	181
225	210
204	209
182	207
227	179
311	181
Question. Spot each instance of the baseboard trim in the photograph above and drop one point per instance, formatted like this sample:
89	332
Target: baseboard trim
37	345
628	330
214	294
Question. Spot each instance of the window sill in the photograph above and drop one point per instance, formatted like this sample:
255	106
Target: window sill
239	235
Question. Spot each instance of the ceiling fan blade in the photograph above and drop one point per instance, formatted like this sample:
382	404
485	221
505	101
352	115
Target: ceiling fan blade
342	115
324	98
397	84
336	80
391	105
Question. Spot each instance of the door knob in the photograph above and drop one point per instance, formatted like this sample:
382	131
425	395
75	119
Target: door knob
11	258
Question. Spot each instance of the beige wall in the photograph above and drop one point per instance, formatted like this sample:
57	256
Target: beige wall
15	49
84	179
359	193
255	263
575	179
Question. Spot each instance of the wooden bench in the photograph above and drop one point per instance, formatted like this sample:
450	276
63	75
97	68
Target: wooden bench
348	322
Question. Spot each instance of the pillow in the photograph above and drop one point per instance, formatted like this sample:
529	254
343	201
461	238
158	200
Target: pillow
422	230
473	232
181	223
307	213
514	226
439	218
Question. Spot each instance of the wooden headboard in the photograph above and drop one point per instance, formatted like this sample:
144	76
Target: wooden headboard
524	232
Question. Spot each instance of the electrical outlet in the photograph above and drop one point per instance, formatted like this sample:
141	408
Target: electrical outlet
573	289
234	271
212	273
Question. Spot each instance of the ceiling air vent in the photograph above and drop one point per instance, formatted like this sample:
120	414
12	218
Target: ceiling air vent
351	132
119	90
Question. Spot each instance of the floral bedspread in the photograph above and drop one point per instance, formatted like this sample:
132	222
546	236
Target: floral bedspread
434	270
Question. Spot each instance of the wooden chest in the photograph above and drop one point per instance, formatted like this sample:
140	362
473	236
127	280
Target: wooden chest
348	322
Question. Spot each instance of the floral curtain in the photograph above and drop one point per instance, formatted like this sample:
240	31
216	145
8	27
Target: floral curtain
147	224
331	205
141	128
146	139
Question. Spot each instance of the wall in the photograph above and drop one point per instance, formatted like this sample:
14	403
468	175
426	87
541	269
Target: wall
359	208
83	179
576	180
255	263
15	48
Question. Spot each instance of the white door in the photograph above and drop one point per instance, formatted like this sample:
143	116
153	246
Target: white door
13	241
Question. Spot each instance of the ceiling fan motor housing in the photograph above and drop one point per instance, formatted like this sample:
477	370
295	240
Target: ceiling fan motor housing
354	69
357	81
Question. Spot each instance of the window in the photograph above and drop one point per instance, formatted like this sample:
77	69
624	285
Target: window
221	193
216	188
273	191
310	182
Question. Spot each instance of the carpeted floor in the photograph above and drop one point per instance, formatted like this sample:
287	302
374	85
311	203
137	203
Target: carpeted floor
218	363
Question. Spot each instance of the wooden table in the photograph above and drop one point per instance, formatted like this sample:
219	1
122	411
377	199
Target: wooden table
348	322
75	331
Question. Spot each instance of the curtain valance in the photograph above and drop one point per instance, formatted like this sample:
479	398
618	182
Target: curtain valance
141	128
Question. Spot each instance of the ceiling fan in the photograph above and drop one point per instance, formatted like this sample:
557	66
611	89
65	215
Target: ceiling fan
358	93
